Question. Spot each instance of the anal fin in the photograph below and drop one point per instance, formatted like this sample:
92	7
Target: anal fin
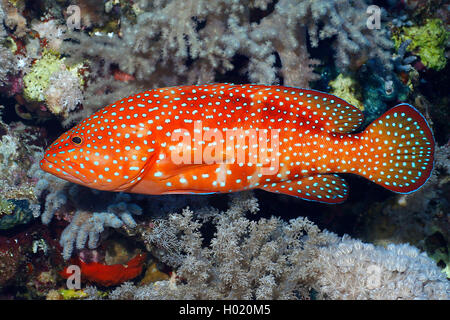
327	188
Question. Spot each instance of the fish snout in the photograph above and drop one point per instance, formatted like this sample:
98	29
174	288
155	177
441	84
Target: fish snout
67	171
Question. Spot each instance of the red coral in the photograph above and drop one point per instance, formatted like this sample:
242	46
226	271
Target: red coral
108	275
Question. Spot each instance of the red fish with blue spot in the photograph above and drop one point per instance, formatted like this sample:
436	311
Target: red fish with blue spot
226	138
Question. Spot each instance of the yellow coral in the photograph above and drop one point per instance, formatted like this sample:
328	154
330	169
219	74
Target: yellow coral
6	207
36	82
347	88
446	270
11	44
152	274
428	42
70	294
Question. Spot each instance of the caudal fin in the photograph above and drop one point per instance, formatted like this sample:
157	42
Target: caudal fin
399	150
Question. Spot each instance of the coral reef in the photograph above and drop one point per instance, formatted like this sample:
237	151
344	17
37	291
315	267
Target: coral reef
402	63
90	225
13	19
17	153
395	272
379	88
50	80
347	21
348	89
8	63
63	93
26	262
14	212
3	32
254	246
427	41
66	294
9	260
272	259
155	49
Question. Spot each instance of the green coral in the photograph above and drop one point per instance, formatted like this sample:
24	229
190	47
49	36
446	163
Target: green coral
71	294
6	207
10	44
427	41
446	270
347	88
14	212
37	80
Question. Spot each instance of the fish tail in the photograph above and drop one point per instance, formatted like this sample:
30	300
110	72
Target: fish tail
398	150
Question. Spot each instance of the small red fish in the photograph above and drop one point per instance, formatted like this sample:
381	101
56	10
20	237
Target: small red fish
123	76
227	138
108	275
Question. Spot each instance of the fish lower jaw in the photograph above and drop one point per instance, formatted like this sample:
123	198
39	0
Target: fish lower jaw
51	168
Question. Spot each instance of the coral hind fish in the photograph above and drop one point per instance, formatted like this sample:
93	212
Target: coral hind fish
193	139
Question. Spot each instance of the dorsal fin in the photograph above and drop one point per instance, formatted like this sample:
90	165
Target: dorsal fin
320	108
339	115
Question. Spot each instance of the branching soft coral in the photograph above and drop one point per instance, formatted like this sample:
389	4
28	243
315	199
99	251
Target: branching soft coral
175	42
245	259
88	217
63	93
274	259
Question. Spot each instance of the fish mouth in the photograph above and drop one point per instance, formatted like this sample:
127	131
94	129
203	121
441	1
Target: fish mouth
63	173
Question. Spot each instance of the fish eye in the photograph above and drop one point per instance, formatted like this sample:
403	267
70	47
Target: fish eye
77	140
